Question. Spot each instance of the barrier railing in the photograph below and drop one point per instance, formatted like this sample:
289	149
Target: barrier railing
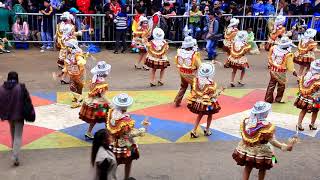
104	27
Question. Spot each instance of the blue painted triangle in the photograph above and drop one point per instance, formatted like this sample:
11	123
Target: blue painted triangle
78	131
221	136
51	96
282	133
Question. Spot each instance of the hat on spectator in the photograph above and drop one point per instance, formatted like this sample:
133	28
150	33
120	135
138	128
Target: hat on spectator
2	5
187	42
233	22
158	34
310	33
73	10
280	19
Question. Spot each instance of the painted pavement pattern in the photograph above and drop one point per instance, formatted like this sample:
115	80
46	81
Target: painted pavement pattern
58	126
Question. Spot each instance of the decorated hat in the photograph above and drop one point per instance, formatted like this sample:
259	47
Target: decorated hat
206	70
242	36
260	107
101	67
285	42
158	34
188	42
122	100
142	19
280	19
72	43
310	33
233	22
315	65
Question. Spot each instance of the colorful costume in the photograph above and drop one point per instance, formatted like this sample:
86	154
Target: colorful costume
75	62
278	31
309	89
157	51
202	99
188	62
254	150
239	48
305	54
230	34
96	106
140	36
121	127
280	61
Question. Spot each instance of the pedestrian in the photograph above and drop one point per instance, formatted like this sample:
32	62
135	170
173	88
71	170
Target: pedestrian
212	36
308	99
47	26
15	107
280	61
229	34
237	59
157	50
102	158
203	98
188	61
120	125
121	21
258	134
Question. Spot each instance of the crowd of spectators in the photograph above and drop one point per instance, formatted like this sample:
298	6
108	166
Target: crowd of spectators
40	28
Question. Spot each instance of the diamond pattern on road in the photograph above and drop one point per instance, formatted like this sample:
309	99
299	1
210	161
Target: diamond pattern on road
56	116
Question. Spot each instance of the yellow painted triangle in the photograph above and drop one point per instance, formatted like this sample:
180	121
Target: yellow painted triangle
237	93
4	148
150	139
56	140
186	138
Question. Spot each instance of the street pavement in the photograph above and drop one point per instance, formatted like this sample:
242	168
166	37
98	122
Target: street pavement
167	153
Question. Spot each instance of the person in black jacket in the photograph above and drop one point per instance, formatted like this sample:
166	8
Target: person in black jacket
12	96
47	26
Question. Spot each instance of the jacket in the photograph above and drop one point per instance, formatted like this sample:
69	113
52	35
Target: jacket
11	101
5	15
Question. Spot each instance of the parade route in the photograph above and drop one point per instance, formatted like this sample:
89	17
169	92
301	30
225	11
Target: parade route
54	146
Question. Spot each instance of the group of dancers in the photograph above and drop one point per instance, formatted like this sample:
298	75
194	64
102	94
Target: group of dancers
253	151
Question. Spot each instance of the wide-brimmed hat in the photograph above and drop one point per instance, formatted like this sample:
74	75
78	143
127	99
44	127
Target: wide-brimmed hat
234	22
73	43
158	34
242	36
285	42
310	33
315	65
101	68
280	20
206	70
188	42
142	19
260	107
122	100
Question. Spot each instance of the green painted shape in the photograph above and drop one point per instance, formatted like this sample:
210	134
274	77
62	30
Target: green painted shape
4	148
237	93
56	140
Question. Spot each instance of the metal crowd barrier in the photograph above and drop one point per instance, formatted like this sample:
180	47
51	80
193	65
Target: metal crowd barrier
104	28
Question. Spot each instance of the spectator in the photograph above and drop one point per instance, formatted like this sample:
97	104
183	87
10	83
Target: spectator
121	22
167	12
212	36
13	99
306	8
258	8
20	30
34	21
269	8
19	8
194	21
8	4
217	6
316	8
5	15
102	158
294	7
57	5
47	26
115	7
77	21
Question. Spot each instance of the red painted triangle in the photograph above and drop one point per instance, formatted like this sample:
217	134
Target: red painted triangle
38	101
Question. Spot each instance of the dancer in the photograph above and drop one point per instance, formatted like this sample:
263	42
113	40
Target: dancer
121	127
230	34
95	107
203	98
237	59
309	91
280	61
187	61
58	38
254	151
75	62
157	56
277	32
305	54
139	41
